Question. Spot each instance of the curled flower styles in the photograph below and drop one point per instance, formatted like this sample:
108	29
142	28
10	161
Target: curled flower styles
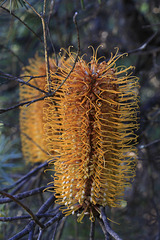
31	117
92	129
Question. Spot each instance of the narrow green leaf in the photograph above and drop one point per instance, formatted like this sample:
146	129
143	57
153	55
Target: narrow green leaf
82	4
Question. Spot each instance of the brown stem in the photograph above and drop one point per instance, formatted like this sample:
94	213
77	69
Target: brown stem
34	10
43	19
24	207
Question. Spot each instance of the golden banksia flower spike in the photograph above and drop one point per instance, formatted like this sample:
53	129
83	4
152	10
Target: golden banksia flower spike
93	134
31	117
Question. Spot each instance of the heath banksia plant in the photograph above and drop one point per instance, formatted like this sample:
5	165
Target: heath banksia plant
91	129
31	117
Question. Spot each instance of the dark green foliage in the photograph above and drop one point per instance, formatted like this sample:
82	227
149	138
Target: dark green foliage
13	3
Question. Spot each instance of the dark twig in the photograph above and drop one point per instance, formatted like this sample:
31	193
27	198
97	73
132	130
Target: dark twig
28	228
10	219
28	175
103	229
25	231
23	195
32	77
10	77
149	144
60	229
42	210
13	53
58	216
24	217
40	234
92	229
24	207
143	47
55	230
52	44
158	217
44	24
106	224
78	38
41	98
76	58
35	143
152	184
51	9
51	94
31	232
17	188
33	9
43	20
46	205
146	52
5	9
21	104
67	75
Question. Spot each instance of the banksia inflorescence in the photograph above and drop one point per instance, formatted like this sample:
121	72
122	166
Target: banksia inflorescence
31	117
91	129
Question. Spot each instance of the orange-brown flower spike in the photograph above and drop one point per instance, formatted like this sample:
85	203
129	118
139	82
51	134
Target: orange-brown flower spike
31	117
93	133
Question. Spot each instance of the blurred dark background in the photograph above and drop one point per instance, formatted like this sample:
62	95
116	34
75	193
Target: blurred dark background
132	26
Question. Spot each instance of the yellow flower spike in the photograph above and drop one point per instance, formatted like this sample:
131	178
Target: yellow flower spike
92	133
31	117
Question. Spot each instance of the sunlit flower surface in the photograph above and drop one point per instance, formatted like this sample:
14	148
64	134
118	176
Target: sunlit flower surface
91	126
